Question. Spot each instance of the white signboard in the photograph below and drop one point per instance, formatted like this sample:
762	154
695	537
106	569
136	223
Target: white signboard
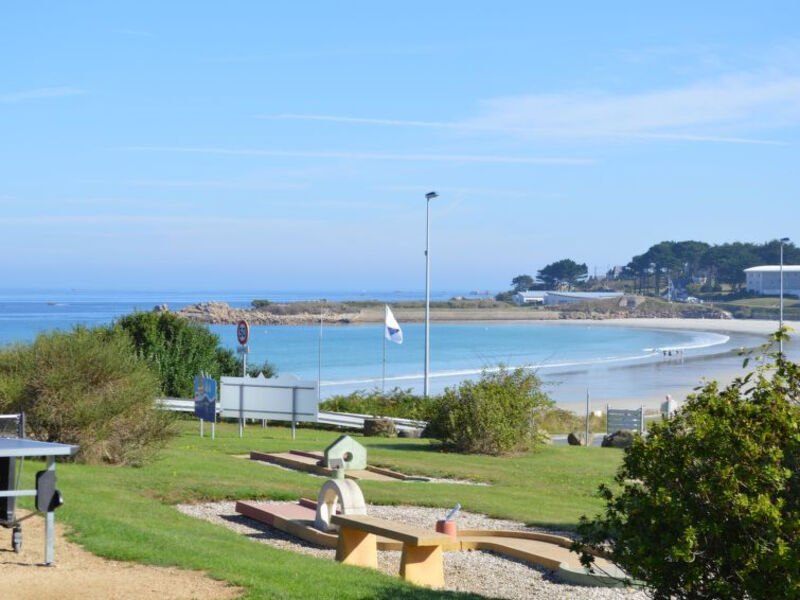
617	419
284	398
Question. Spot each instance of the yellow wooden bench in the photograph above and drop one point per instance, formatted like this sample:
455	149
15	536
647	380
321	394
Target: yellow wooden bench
421	561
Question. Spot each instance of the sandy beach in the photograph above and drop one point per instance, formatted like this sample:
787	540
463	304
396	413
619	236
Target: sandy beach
676	377
748	326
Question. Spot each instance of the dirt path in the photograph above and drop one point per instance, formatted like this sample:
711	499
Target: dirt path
80	575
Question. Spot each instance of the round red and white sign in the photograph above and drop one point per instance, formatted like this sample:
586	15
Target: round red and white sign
242	332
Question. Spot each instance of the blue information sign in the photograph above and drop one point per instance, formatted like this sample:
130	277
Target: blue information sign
205	398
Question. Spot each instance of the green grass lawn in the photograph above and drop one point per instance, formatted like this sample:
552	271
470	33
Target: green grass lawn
766	302
127	513
762	307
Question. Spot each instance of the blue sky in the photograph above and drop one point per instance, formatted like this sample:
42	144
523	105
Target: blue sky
253	145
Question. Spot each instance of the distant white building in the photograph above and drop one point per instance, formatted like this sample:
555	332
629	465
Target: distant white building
555	298
522	298
765	280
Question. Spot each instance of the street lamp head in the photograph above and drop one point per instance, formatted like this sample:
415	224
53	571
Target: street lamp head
431	195
784	240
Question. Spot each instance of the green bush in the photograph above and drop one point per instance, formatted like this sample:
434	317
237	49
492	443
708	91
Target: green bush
707	505
178	350
558	420
267	369
494	415
86	387
395	403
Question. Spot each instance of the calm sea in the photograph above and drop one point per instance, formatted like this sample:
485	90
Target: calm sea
615	364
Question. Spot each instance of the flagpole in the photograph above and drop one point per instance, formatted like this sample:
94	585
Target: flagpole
383	384
319	352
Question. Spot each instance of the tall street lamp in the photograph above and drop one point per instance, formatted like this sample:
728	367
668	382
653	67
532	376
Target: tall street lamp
428	197
780	342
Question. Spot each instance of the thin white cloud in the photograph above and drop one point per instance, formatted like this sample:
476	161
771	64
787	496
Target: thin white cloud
476	126
375	121
222	184
38	94
456	158
693	113
464	191
181	221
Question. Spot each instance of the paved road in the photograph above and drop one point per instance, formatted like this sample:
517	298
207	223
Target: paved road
561	440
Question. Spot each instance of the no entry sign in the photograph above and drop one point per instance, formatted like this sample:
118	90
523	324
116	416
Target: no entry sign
242	332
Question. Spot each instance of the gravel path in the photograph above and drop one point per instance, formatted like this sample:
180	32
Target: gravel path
477	572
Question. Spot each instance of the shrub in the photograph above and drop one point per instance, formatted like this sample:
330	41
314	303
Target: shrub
267	369
558	420
86	387
493	415
395	403
707	504
178	350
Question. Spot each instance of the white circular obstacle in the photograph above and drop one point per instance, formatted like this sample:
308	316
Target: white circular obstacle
343	493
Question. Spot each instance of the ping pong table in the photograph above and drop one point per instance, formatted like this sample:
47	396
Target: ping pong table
45	494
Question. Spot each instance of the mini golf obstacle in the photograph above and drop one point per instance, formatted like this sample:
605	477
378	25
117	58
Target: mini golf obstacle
344	454
338	519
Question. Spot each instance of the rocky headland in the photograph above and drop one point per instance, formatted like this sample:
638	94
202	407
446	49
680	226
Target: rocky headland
221	313
309	313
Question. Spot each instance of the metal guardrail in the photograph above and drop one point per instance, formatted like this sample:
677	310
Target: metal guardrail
177	405
349	420
356	421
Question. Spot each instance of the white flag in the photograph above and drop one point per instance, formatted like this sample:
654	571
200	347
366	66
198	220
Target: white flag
392	330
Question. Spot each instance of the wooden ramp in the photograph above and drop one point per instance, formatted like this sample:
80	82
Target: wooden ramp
546	550
311	462
298	520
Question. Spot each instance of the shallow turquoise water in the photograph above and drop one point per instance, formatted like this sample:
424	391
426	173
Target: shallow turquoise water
614	363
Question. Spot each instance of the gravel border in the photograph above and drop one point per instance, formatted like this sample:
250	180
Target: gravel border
477	572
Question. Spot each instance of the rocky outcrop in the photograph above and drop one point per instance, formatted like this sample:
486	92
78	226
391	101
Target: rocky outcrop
379	428
619	439
221	313
578	438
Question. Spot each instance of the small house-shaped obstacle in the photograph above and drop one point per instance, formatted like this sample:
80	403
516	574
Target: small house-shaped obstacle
345	453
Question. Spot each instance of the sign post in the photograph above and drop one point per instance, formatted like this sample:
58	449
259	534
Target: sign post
284	398
205	401
242	335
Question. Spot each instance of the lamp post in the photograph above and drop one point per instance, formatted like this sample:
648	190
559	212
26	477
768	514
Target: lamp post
428	197
655	277
780	323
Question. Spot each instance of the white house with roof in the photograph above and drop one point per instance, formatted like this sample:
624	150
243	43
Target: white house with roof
766	280
523	298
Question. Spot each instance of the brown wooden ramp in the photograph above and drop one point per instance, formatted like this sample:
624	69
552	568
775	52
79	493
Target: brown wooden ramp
549	551
309	462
